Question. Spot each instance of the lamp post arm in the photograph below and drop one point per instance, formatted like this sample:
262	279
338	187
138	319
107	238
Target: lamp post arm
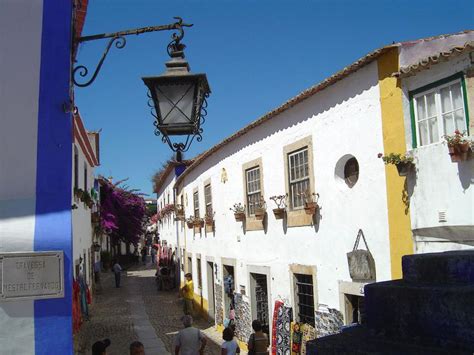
120	42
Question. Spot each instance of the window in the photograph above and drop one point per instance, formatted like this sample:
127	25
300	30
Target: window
85	176
305	298
196	203
252	177
76	168
299	182
199	274
351	172
208	199
439	111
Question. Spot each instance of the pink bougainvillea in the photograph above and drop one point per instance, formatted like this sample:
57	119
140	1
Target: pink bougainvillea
122	212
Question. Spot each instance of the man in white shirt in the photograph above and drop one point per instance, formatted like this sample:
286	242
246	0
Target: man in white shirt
117	270
190	340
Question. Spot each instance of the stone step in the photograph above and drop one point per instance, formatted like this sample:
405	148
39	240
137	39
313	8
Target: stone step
361	341
438	313
453	267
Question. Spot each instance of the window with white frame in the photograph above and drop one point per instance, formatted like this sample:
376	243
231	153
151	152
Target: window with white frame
298	168
439	111
208	199
252	177
196	203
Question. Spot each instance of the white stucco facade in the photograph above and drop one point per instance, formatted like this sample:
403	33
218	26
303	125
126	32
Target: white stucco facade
442	200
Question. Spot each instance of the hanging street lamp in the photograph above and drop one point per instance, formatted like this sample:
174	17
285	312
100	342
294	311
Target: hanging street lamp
177	99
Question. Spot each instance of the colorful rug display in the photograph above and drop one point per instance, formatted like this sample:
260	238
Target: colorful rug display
285	316
296	338
278	305
309	333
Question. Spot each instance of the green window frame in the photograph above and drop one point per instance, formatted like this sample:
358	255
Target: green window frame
435	87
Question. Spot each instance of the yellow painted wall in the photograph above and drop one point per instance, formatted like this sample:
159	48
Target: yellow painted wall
400	235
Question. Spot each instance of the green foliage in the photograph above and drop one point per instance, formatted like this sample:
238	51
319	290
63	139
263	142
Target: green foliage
395	158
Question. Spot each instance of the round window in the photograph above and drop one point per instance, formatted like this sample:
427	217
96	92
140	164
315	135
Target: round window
351	172
347	171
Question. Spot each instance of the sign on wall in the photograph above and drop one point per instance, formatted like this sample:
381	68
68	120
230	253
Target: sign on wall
34	275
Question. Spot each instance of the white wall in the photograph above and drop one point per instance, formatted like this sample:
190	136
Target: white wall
20	48
82	232
343	119
439	185
167	227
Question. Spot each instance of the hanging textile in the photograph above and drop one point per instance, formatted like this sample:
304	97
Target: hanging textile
309	333
296	338
278	305
285	315
76	307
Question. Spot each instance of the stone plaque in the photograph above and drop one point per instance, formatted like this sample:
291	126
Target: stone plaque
34	275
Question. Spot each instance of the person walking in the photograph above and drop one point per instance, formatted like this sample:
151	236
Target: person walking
153	255
188	294
258	341
117	271
229	346
190	340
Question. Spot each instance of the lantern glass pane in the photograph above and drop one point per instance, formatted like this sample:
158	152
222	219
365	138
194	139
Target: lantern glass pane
176	103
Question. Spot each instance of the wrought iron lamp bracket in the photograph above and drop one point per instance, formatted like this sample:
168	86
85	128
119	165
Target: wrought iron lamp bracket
119	39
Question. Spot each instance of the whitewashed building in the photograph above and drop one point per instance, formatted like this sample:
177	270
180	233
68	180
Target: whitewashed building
326	140
85	152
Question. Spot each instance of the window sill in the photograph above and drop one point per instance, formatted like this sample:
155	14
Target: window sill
299	218
253	224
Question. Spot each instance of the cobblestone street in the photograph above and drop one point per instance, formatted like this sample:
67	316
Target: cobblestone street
137	311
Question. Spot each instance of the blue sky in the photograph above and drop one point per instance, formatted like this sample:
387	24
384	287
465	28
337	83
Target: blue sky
256	54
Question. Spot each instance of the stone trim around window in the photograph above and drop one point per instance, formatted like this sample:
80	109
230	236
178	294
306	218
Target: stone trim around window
251	223
305	270
298	217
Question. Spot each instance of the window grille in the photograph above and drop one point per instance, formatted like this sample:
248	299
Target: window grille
196	204
439	111
261	298
208	199
199	275
253	189
305	298
298	176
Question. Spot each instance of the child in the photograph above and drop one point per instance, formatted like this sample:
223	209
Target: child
229	346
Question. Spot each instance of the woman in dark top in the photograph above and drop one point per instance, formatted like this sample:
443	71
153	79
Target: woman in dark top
258	341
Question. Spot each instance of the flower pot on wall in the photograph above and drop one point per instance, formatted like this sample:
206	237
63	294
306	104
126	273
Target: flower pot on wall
190	224
209	221
259	213
404	168
310	207
199	223
279	213
454	154
239	216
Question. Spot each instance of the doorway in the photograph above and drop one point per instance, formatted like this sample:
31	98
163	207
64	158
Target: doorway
229	282
259	299
354	309
210	289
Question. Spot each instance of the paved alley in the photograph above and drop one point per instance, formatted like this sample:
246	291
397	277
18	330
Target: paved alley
137	311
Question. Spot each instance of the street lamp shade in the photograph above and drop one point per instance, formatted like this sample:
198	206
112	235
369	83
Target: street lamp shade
178	98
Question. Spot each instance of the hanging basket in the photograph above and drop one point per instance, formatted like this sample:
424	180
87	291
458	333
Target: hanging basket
404	168
361	263
279	213
190	224
259	213
310	207
239	216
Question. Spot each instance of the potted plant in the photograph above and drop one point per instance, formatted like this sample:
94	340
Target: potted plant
179	211
209	218
198	222
459	146
78	193
310	202
403	162
260	208
190	222
239	212
280	201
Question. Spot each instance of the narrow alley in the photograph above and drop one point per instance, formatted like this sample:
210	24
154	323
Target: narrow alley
137	311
